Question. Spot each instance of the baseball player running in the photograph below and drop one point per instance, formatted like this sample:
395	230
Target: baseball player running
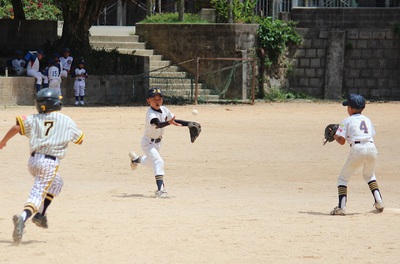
358	130
157	118
49	133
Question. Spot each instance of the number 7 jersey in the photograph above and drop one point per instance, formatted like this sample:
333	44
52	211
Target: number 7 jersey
356	127
49	133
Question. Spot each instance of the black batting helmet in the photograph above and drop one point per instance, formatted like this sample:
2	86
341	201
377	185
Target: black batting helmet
48	100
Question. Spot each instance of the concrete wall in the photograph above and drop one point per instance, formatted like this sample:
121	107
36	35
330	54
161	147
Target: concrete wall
25	35
348	50
100	90
185	42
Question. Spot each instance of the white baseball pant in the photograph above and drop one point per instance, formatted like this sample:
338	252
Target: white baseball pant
47	179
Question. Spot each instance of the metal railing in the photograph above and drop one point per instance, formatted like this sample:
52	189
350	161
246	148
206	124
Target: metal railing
271	7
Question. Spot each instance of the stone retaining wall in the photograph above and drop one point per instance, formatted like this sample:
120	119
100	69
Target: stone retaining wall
100	90
344	50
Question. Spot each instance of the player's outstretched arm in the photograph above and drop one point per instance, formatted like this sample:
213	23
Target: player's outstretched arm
173	122
11	133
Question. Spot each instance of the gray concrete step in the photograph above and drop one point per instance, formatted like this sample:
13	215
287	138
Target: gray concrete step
104	38
170	76
119	45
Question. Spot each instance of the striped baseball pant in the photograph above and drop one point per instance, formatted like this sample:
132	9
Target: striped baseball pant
47	180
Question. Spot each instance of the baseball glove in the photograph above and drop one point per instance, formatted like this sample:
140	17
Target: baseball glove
330	131
194	130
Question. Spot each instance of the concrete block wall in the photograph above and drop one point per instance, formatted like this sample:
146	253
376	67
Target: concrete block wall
100	90
371	53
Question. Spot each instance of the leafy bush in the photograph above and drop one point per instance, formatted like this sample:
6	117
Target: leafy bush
34	10
274	36
174	18
242	11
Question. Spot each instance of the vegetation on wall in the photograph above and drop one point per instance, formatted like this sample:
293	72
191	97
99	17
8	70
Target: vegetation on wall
274	39
242	11
174	18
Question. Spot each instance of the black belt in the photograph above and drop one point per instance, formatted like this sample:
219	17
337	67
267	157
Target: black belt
155	140
45	156
358	142
80	80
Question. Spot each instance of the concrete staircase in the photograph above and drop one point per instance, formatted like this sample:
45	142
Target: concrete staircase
171	79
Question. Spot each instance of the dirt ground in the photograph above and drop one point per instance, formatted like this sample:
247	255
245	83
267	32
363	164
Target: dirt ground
256	187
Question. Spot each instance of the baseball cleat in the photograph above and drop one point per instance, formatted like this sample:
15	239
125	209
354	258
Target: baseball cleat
40	220
133	157
161	194
338	211
19	226
379	206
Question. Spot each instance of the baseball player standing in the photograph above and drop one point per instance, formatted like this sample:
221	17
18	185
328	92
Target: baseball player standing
53	73
49	133
80	83
33	68
157	118
358	130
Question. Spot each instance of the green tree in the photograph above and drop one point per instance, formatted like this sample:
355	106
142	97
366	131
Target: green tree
29	9
78	17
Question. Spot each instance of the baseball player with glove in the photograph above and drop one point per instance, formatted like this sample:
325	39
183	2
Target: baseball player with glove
358	131
157	118
49	133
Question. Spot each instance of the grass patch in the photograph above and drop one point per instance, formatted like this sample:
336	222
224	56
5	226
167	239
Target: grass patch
174	18
278	95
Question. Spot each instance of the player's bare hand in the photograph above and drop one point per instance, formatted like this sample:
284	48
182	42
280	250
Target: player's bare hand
2	145
172	122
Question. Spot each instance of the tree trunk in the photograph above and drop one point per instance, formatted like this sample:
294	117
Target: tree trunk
78	18
181	9
18	8
230	12
149	7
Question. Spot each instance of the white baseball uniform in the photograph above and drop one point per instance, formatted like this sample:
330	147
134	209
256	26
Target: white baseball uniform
33	70
19	66
80	82
151	141
66	63
54	78
49	135
358	130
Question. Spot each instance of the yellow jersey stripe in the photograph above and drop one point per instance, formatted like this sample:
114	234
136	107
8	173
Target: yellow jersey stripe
80	139
20	122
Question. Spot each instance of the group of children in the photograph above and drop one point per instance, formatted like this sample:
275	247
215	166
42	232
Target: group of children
57	69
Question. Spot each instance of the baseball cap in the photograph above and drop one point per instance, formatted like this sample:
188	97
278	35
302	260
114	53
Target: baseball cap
153	92
355	101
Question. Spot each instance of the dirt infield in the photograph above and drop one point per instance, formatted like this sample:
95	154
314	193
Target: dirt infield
256	187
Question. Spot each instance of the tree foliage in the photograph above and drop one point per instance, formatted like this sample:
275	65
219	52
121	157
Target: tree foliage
29	9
